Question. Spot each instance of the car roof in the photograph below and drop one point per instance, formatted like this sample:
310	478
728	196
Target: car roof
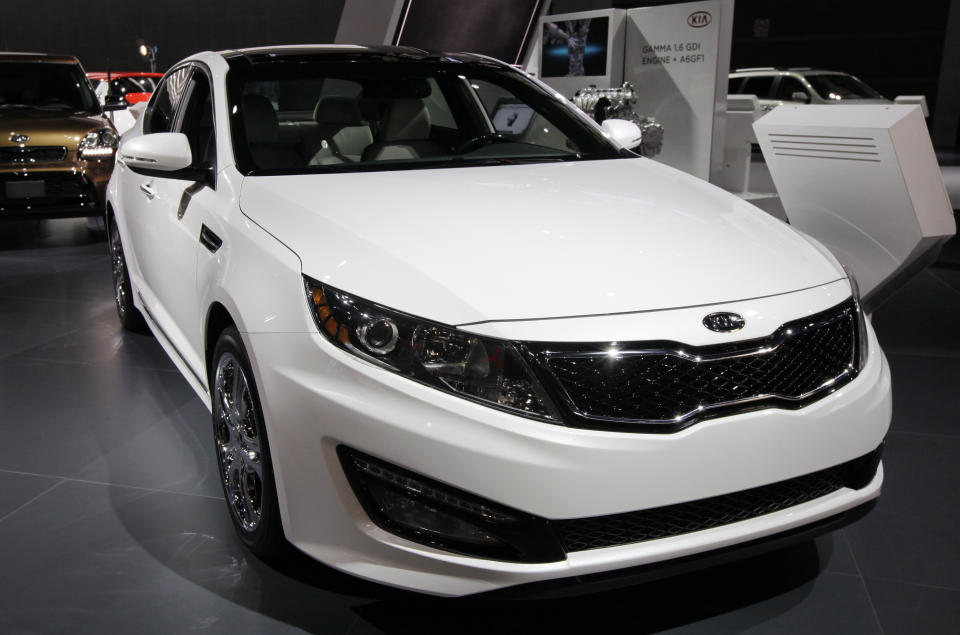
10	56
345	51
121	74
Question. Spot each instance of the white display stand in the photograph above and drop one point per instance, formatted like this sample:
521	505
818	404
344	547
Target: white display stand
863	180
678	57
742	111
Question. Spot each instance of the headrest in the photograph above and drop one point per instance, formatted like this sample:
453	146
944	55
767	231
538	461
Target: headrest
260	120
331	110
398	88
406	119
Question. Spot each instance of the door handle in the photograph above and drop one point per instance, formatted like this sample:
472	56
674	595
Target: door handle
149	191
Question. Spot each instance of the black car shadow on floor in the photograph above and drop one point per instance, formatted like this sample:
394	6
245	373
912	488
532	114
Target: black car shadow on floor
199	546
41	233
649	607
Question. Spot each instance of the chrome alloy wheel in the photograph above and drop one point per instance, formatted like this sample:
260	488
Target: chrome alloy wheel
238	442
120	285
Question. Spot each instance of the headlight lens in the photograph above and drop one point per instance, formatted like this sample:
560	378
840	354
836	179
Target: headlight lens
483	369
98	144
861	320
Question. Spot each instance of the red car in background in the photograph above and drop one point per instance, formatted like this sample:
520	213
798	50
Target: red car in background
134	87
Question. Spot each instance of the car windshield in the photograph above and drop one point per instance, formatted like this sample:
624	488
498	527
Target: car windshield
45	87
386	114
838	86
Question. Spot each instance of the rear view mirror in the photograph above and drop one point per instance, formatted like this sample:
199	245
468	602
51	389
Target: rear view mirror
800	96
626	133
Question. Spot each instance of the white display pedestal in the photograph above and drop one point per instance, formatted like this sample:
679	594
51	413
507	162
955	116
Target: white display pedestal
864	181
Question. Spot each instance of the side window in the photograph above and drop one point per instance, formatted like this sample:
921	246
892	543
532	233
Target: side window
733	87
163	106
789	86
197	122
759	86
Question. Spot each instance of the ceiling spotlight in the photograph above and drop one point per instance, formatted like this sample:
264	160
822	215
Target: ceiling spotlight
148	52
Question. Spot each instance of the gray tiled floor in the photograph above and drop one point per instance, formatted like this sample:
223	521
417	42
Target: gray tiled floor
111	521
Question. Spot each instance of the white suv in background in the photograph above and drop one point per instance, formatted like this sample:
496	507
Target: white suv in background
776	86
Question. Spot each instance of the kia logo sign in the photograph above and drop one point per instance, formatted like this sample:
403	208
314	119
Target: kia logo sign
699	19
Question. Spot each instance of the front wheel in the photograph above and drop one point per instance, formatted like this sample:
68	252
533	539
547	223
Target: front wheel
130	316
243	454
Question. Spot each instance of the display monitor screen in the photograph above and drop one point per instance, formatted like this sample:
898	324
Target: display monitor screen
511	116
499	28
575	48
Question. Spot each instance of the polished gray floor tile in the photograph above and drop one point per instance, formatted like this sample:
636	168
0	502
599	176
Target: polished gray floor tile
906	609
17	490
130	426
912	535
100	559
921	318
926	398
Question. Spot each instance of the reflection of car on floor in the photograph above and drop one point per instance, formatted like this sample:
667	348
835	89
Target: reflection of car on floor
131	87
776	86
56	144
453	353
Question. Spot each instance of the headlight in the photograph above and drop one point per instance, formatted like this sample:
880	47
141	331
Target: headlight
861	320
98	144
482	369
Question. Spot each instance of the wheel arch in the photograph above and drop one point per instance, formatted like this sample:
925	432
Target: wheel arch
218	319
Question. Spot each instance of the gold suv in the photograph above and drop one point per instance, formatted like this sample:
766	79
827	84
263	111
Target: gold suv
56	145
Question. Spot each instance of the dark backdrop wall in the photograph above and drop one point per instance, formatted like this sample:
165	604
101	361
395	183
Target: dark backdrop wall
106	31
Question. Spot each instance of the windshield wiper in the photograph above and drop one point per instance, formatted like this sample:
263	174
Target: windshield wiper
12	105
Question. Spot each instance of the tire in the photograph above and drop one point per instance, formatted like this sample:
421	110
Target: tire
242	450
130	316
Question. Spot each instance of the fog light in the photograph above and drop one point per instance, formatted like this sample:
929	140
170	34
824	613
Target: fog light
415	514
428	512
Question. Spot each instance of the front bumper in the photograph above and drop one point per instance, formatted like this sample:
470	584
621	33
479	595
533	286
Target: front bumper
67	189
316	398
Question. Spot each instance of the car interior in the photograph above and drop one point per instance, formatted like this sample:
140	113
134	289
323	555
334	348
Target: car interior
325	122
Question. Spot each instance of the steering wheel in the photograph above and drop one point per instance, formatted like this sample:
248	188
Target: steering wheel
479	141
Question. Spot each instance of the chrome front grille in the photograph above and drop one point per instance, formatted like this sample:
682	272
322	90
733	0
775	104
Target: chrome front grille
28	155
672	385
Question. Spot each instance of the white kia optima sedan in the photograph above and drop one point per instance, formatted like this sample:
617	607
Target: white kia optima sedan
454	337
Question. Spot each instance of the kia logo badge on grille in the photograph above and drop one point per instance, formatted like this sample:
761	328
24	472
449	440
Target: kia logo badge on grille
19	138
724	322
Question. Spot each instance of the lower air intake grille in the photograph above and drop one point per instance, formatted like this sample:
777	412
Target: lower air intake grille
32	154
663	522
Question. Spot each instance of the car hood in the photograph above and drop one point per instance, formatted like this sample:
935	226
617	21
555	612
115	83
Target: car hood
471	244
48	128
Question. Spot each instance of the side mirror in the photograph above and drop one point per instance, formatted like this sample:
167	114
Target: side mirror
800	96
626	133
160	152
